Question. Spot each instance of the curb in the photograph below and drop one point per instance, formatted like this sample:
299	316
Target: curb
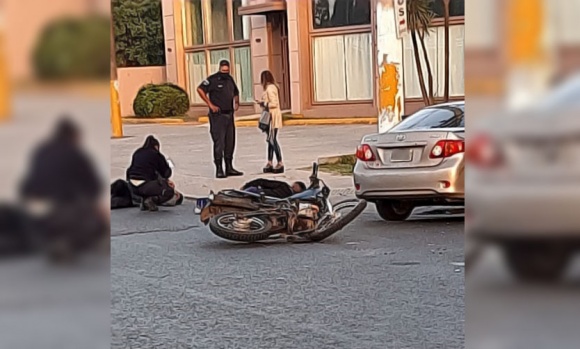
251	121
314	122
331	160
158	121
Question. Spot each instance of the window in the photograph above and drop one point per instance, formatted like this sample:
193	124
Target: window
456	8
242	24
343	68
430	118
435	43
193	23
340	13
342	60
216	56
217	23
243	73
197	68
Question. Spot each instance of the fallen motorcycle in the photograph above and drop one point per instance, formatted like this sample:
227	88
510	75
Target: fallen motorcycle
304	217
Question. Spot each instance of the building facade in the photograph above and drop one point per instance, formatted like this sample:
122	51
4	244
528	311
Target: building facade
331	58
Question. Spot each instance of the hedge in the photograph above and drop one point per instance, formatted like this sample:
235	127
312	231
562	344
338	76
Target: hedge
160	101
138	26
73	48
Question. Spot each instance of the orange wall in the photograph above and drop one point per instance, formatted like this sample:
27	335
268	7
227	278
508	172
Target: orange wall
24	21
131	80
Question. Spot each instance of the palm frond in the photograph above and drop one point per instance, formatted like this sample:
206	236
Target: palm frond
420	15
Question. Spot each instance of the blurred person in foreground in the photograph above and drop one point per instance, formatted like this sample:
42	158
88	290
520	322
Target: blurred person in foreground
148	175
61	192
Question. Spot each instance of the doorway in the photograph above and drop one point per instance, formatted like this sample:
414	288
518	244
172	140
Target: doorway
279	55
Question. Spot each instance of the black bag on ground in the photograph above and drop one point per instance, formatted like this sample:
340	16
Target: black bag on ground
121	195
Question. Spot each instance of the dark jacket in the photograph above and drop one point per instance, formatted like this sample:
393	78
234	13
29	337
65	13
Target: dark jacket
146	164
275	189
60	171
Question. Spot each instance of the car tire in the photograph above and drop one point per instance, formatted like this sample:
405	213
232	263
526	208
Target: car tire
394	210
537	262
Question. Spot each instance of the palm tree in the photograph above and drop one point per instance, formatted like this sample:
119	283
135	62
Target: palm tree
420	16
447	77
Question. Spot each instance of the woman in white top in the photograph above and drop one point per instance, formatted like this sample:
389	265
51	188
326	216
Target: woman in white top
271	102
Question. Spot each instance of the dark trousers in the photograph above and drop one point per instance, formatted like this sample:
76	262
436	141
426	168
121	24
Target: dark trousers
158	190
274	147
223	134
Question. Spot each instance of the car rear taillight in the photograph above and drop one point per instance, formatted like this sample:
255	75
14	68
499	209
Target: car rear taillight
447	148
365	153
484	152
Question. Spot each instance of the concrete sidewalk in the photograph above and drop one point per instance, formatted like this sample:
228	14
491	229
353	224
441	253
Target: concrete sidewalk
190	148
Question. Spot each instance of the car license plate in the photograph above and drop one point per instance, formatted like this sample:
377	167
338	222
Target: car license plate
200	204
401	155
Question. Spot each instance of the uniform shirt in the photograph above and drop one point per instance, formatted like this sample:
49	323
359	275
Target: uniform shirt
221	91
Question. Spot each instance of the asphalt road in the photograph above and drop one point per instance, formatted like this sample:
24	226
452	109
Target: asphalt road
372	285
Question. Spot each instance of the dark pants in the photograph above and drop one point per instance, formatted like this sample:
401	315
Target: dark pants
274	147
158	190
223	133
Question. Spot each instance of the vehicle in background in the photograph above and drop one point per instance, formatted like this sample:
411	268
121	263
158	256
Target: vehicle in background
524	185
419	162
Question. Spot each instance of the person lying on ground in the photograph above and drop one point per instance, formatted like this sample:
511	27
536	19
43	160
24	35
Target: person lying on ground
273	188
122	197
148	175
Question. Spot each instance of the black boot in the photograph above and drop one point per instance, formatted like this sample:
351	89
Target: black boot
231	171
219	172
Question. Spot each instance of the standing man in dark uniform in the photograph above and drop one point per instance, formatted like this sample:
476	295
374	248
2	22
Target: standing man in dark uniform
220	93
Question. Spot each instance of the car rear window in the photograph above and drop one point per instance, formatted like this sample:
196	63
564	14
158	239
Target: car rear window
447	116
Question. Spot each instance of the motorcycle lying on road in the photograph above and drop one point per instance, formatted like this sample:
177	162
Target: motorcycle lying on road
308	216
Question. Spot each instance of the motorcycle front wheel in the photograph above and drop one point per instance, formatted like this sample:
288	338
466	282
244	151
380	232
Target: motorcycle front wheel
236	227
345	212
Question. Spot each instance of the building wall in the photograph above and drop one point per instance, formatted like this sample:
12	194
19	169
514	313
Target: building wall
260	46
132	79
301	37
24	20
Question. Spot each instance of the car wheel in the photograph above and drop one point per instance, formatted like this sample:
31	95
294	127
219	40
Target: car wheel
394	210
537	262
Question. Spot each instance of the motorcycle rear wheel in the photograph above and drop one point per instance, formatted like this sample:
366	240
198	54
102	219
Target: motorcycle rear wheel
356	208
232	226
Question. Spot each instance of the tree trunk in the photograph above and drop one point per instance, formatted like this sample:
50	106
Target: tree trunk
419	68
447	54
429	72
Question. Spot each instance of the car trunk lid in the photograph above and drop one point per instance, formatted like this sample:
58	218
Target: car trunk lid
411	149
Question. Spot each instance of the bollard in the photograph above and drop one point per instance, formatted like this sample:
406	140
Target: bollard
116	121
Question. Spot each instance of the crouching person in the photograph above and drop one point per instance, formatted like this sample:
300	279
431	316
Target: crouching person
149	174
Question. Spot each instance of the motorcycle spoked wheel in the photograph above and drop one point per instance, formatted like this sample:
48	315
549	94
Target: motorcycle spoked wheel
346	211
233	226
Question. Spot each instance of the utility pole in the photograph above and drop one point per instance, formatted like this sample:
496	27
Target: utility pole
116	121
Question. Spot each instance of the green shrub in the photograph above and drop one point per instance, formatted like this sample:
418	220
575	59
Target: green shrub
160	101
138	26
74	48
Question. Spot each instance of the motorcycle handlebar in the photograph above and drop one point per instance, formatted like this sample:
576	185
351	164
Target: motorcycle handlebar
314	182
314	169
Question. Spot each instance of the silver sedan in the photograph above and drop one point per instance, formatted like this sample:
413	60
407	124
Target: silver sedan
419	162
